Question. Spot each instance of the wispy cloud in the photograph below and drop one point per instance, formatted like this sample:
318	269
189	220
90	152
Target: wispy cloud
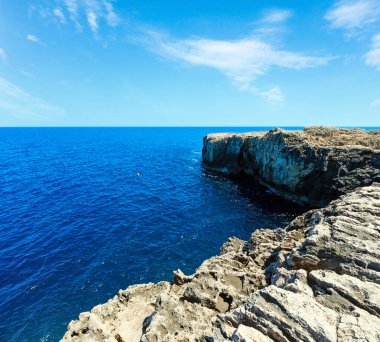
359	18
81	13
92	20
277	16
272	24
17	102
3	56
352	15
242	61
33	38
272	95
372	57
94	10
72	8
111	16
59	14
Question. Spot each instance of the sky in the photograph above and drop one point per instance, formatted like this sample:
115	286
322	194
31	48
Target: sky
189	63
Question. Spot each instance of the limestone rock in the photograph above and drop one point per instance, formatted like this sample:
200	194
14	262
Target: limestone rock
313	166
318	279
120	319
325	288
247	334
185	309
315	280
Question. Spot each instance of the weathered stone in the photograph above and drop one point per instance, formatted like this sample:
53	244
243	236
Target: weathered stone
248	334
318	279
320	286
313	166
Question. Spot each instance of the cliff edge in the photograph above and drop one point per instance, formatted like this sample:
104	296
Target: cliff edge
318	279
313	166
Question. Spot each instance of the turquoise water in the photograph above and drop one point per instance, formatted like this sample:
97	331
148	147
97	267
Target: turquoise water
77	223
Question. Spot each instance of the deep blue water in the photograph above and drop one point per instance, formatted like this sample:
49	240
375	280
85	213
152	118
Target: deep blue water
77	223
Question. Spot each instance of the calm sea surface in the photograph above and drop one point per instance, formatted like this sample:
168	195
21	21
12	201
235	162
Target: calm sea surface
77	223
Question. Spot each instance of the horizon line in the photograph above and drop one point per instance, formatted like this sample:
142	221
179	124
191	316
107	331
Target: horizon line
206	126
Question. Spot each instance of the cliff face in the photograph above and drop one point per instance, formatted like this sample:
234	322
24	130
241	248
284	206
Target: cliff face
316	280
313	166
326	287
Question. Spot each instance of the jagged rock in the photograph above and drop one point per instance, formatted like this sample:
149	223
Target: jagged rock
180	278
247	334
318	279
343	237
315	280
313	166
326	287
106	322
185	309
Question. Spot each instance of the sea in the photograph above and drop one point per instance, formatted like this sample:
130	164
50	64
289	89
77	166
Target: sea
85	212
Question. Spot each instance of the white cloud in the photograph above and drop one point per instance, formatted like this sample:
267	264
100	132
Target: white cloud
273	95
111	17
353	14
241	60
72	8
80	13
272	24
3	56
359	18
42	11
33	38
59	14
277	16
17	102
91	18
94	10
372	57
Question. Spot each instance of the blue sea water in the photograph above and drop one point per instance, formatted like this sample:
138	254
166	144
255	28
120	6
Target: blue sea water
77	223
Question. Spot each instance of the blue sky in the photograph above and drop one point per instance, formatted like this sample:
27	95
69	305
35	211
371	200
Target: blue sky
189	63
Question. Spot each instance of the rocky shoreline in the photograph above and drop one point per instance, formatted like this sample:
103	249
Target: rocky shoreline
313	166
318	279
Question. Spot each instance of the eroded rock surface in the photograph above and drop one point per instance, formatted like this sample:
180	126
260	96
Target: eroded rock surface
313	166
326	287
318	279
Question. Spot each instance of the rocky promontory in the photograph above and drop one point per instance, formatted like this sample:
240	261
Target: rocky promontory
318	279
313	166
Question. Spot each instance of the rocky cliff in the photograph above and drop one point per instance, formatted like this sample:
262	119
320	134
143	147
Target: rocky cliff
318	279
313	166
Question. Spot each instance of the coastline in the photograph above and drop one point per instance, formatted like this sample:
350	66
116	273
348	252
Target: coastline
282	284
313	166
